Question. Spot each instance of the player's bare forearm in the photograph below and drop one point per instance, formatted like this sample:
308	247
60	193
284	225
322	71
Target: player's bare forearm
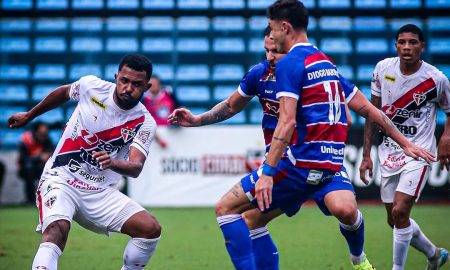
127	167
218	113
56	98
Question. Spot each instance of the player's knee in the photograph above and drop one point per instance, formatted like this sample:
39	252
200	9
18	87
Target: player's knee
346	214
251	221
57	233
399	215
152	229
390	221
222	209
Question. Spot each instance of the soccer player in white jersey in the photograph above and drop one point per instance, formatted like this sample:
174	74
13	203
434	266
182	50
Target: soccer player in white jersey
408	90
108	135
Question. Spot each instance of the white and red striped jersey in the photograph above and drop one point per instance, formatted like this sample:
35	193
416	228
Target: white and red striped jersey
98	124
410	102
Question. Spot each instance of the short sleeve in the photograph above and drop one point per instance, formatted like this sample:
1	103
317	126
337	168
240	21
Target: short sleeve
288	76
79	87
145	135
248	85
444	96
375	84
348	88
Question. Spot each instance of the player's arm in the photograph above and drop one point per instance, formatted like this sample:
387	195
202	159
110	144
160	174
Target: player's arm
444	146
56	98
131	167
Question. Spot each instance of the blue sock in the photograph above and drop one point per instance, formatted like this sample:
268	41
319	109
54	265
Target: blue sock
265	250
354	234
237	241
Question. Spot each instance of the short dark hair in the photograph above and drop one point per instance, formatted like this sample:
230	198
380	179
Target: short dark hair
410	28
137	62
292	11
267	31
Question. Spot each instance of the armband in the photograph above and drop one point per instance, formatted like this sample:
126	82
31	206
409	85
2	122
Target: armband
268	170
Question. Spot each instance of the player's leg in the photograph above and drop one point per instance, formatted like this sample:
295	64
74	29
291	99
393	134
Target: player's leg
264	248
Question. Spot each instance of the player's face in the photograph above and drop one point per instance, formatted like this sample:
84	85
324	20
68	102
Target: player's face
409	47
131	86
272	54
278	34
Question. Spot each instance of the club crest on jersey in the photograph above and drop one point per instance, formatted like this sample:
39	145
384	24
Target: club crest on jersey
389	78
419	98
143	135
89	137
49	203
127	134
98	103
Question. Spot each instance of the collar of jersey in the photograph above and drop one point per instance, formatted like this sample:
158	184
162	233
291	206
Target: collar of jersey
300	44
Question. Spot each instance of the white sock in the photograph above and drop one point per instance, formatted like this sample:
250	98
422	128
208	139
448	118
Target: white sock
420	241
402	239
47	256
138	252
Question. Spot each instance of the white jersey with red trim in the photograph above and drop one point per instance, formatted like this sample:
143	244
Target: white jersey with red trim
410	102
98	124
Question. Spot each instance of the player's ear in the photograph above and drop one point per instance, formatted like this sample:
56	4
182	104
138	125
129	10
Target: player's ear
149	85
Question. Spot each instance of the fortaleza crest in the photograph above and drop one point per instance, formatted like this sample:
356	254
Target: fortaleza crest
127	134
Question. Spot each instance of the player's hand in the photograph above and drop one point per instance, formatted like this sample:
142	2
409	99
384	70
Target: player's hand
366	165
263	191
183	117
103	159
18	120
444	152
417	152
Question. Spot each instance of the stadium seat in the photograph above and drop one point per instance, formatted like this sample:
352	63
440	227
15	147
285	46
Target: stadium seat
439	45
365	72
163	71
14	45
256	115
193	23
55	135
49	72
123	4
86	44
335	23
52	4
228	72
158	45
365	89
228	23
77	71
257	23
193	4
406	4
122	24
197	72
51	117
122	44
228	45
221	92
50	44
40	91
334	4
192	93
259	4
346	71
310	4
237	119
87	4
192	45
256	45
109	72
17	5
158	24
69	111
13	92
370	4
399	22
14	72
371	46
10	137
15	25
441	117
7	111
87	24
336	45
437	4
228	4
438	24
51	25
369	24
312	23
445	69
158	4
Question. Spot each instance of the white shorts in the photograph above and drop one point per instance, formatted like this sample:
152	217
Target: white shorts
410	182
102	211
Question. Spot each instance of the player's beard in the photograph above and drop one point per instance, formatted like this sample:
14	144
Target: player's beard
126	105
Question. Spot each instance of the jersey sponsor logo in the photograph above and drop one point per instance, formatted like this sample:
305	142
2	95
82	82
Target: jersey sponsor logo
419	98
394	162
80	185
389	78
127	134
331	150
391	111
322	73
268	91
75	167
98	103
406	130
89	137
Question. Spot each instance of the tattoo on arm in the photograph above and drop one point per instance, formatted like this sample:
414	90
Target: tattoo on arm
280	139
219	113
363	111
235	190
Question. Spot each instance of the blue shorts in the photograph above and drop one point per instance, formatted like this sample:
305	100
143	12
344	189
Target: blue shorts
291	188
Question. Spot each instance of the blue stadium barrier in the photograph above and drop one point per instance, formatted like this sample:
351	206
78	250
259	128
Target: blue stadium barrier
221	92
10	137
437	4
14	72
40	91
365	72
86	44
334	4
230	23
227	72
109	72
14	92
256	115
69	111
17	4
237	119
370	4
52	4
346	71
193	4
192	45
51	25
158	24
445	69
51	117
14	45
439	45
123	4
7	111
158	45
87	24
257	23
193	23
357	121
406	4
259	4
87	4
365	89
371	24
163	71
399	22
372	46
228	4
122	44
197	110
228	45
15	25
312	23
55	135
158	4
438	24
192	93
309	3
256	45
335	23
49	72
312	41
50	44
441	117
336	45
122	24
192	73
77	71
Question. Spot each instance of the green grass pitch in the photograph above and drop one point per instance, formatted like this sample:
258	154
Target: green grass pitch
191	240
